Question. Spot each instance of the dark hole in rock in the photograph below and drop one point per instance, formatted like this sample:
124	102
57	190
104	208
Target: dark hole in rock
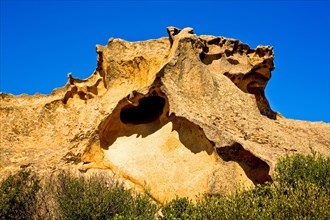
205	49
148	110
254	88
232	61
215	41
82	95
255	169
209	58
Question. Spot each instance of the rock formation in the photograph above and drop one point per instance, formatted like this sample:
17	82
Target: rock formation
181	115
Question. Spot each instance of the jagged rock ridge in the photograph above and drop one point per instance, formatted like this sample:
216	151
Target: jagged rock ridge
181	115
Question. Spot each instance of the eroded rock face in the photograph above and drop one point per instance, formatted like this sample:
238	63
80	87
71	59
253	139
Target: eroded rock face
183	115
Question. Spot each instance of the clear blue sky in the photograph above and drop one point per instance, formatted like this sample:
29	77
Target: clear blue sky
42	41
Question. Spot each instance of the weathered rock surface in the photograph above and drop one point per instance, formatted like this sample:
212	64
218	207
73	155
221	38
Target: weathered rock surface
181	115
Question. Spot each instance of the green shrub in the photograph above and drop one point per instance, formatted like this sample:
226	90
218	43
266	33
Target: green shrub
97	198
308	202
313	169
302	193
179	208
18	196
240	205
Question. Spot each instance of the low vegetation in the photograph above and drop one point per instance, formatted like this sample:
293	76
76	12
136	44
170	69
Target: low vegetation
97	198
18	195
301	191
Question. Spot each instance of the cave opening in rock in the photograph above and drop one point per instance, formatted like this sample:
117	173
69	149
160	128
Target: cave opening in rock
255	169
148	110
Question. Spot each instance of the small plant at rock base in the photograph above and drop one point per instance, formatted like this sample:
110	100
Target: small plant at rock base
98	198
179	208
302	192
18	195
313	169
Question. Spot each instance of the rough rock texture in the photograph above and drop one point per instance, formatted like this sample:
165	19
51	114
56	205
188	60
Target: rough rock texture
183	115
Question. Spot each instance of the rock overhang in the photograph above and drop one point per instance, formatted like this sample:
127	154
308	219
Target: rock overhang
185	115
